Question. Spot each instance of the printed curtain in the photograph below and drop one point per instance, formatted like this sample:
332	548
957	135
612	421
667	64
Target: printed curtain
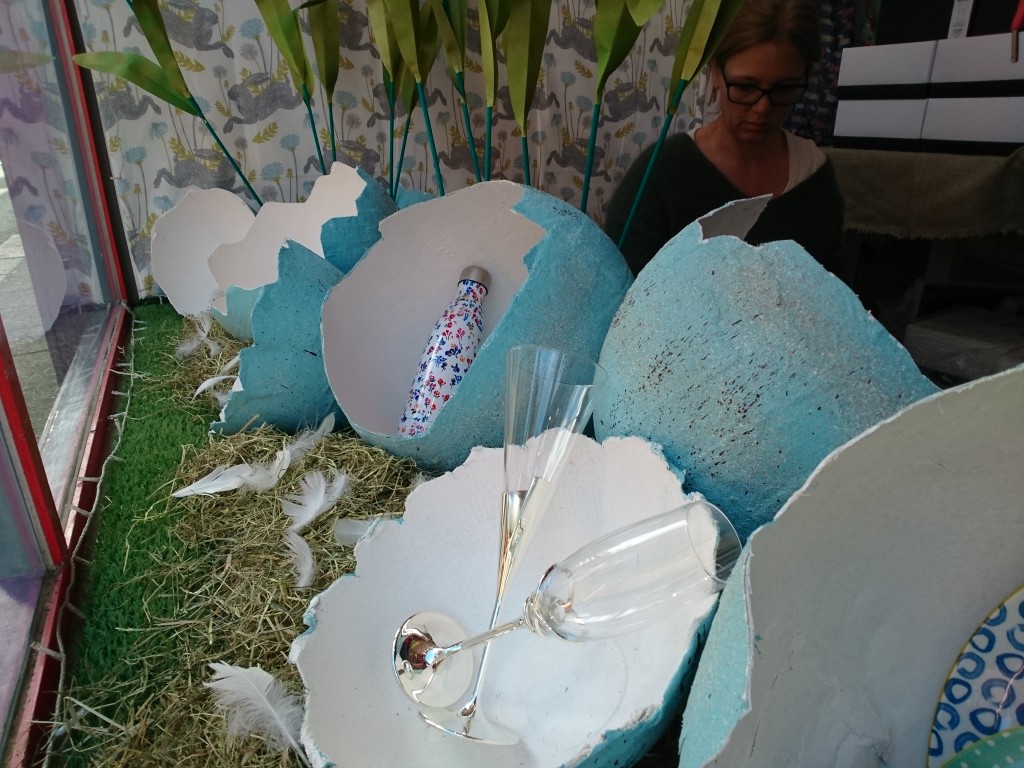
243	86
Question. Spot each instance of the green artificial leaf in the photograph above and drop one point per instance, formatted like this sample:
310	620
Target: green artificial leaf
283	28
325	31
705	25
427	41
498	12
524	38
405	88
488	55
146	74
405	19
454	50
16	61
384	36
643	11
615	34
152	24
457	13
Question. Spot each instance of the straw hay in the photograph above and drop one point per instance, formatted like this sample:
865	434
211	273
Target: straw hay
229	579
229	576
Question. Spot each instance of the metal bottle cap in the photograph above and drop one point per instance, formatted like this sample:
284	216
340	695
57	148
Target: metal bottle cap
477	275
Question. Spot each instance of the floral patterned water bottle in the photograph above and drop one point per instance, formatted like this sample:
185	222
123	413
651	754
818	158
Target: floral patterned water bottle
450	351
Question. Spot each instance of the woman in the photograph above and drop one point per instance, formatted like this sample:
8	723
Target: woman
759	72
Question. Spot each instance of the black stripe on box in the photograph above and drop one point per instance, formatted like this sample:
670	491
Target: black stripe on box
896	91
977	89
961	147
874	142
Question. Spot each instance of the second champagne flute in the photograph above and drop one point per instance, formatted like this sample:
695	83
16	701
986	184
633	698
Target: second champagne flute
549	397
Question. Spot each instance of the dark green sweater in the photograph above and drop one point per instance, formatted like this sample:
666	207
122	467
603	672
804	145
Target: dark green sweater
685	185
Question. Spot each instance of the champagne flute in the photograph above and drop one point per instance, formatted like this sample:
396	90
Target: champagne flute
619	583
549	397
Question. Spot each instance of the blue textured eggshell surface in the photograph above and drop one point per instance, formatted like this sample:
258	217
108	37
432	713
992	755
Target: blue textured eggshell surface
574	280
748	365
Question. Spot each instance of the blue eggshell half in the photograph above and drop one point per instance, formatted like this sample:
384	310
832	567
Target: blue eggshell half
282	373
748	365
573	279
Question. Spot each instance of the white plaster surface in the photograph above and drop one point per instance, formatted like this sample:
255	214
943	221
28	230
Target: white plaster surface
397	292
861	594
184	238
252	261
562	698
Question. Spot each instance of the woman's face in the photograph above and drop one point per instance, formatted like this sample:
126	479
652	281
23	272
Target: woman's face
773	65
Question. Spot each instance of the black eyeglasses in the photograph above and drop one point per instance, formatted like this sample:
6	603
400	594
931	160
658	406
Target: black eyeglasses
748	95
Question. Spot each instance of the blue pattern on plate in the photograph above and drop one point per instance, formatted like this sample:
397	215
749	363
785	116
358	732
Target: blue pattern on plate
984	693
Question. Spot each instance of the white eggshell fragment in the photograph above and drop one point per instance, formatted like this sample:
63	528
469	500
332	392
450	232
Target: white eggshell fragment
602	703
835	637
183	239
248	264
747	364
556	280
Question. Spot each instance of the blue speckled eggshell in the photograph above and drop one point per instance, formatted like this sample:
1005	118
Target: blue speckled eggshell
576	279
283	377
748	365
346	239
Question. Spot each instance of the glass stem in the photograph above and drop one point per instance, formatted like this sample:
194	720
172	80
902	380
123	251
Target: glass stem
483	637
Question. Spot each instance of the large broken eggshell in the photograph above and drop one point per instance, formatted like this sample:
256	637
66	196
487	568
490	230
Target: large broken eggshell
556	280
184	238
602	703
747	364
281	375
246	265
835	635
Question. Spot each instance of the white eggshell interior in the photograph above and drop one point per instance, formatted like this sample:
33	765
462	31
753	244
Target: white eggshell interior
252	261
861	594
561	698
184	238
381	315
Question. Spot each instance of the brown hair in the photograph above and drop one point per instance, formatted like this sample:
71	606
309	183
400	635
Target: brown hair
763	21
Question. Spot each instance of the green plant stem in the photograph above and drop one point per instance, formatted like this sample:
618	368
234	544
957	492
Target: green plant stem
405	139
591	146
526	161
330	122
234	164
489	115
430	139
312	126
669	116
391	137
460	86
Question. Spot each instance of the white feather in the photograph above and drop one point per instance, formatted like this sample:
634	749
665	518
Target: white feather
256	702
265	476
306	441
223	478
302	558
314	498
231	364
213	381
348	531
203	323
252	477
213	346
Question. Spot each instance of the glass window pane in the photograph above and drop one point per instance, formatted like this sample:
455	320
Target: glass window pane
56	296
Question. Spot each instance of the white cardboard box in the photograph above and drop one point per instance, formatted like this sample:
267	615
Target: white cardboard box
975	59
899	64
882	95
880	118
985	120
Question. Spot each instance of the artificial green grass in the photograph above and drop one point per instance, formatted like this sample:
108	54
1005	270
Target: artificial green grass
126	535
175	584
